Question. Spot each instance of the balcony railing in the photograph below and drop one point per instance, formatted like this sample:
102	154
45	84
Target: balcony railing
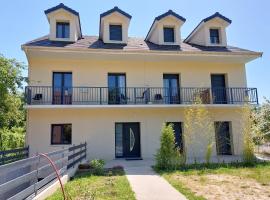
47	95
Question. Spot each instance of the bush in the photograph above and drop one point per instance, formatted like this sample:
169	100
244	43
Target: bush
168	157
98	166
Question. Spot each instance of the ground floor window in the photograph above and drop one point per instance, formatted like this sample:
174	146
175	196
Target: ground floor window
223	138
178	134
61	134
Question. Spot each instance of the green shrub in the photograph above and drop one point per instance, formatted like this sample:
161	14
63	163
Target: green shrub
98	166
168	157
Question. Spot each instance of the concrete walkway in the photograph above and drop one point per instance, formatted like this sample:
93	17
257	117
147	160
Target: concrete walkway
146	184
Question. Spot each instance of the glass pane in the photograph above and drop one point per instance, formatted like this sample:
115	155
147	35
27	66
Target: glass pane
56	134
116	32
119	140
223	140
59	29
66	31
168	34
66	134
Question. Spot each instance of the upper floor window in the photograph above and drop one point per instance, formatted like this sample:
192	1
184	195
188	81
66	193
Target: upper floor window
168	34
214	36
61	134
62	30
116	32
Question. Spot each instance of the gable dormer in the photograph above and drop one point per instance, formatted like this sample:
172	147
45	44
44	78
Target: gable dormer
165	29
114	26
211	31
64	24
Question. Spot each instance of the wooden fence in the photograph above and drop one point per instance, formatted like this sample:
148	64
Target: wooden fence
13	155
25	178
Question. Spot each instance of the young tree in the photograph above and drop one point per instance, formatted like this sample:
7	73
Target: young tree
168	156
199	131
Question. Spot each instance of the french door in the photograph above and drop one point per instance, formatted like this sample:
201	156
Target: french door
117	88
62	88
219	92
171	88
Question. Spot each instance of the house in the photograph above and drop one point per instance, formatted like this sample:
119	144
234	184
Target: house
115	92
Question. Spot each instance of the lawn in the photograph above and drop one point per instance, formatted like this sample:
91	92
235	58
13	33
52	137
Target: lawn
111	186
198	182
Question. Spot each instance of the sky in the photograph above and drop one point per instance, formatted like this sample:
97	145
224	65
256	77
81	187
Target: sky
22	21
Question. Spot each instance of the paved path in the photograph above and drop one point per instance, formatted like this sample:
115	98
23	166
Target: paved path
146	184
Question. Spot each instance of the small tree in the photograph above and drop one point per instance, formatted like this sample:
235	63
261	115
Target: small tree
198	122
168	156
248	135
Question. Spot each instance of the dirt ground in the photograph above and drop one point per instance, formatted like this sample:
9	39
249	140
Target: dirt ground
226	187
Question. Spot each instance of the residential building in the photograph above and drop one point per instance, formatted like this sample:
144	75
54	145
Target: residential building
115	92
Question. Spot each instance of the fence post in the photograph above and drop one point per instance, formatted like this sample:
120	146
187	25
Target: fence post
73	159
36	181
81	150
85	150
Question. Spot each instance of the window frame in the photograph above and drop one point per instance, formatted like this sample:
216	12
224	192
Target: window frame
231	139
110	36
63	24
218	36
62	132
169	27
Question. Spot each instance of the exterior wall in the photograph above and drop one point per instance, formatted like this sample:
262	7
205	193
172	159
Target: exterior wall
64	16
117	19
97	128
157	35
138	73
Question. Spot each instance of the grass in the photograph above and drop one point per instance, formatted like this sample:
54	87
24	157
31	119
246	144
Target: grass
111	186
259	172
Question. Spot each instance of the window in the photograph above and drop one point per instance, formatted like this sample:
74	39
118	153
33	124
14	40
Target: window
61	134
223	138
116	32
62	30
177	128
168	34
214	36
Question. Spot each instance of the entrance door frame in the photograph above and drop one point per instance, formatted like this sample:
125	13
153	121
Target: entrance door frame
140	149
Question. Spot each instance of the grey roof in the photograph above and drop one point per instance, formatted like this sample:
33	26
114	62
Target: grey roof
134	44
61	6
217	14
115	9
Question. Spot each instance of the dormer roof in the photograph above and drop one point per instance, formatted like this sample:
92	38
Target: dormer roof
61	6
217	14
207	19
115	9
170	12
67	9
154	33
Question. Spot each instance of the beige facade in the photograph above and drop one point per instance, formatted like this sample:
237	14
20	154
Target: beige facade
96	126
145	63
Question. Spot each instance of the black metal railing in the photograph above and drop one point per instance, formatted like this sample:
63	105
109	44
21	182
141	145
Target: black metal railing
47	95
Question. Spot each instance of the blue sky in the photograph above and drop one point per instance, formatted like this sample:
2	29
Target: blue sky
22	21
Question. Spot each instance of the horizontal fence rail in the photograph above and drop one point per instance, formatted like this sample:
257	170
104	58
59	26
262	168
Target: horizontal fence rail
25	178
8	156
47	95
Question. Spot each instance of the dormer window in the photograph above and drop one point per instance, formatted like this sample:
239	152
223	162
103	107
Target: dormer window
168	33
214	36
62	30
116	32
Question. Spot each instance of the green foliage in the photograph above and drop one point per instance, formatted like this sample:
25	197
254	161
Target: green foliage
12	113
199	130
248	134
261	117
12	138
98	166
168	156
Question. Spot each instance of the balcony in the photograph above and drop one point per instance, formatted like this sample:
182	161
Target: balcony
48	95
